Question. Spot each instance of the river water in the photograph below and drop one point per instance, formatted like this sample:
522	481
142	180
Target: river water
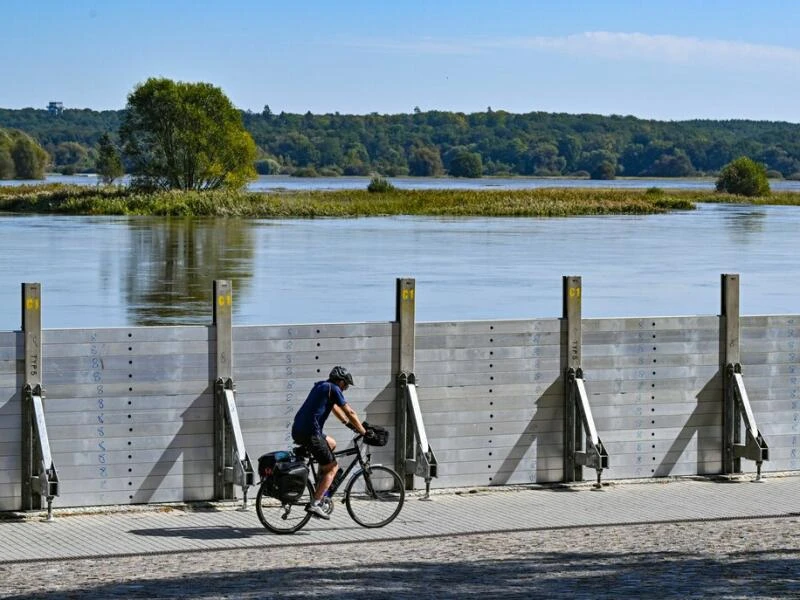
267	183
124	271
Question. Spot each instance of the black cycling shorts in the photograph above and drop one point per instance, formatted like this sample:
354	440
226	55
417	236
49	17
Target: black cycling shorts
319	448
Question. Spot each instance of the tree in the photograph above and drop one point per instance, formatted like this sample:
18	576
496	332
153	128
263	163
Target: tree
299	148
186	136
744	177
71	157
602	163
7	170
671	165
570	148
425	161
605	170
30	159
356	160
109	163
543	159
330	151
466	164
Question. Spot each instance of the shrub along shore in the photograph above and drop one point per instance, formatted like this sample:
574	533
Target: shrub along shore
539	202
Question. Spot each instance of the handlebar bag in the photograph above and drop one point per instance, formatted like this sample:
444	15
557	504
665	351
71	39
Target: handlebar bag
379	436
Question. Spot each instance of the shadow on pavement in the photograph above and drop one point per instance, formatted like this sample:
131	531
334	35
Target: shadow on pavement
228	532
772	573
220	532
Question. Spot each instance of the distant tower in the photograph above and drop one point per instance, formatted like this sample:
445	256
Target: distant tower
55	108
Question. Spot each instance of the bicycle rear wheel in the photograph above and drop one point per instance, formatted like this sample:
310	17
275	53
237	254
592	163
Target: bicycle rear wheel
280	517
374	497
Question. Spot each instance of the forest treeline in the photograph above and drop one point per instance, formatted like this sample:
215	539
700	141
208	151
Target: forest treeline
431	143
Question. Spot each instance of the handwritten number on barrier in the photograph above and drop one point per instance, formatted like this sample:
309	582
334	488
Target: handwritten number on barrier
100	433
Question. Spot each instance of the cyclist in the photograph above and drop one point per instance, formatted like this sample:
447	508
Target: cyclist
324	397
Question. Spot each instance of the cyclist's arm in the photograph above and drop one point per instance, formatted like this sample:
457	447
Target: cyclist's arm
346	415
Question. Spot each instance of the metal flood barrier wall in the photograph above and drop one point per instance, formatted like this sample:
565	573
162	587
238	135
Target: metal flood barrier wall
131	414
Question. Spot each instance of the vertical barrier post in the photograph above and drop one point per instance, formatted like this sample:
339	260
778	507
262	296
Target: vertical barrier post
32	332
729	336
223	303
405	317
571	294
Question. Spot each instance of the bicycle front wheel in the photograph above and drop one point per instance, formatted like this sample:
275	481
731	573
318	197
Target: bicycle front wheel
281	517
375	496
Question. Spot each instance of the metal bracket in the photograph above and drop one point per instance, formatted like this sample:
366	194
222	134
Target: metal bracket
237	468
755	447
594	455
423	460
44	476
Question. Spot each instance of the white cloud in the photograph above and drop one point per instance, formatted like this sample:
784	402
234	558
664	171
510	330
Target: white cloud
614	46
658	48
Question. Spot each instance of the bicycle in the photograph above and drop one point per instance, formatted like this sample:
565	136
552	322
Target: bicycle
374	494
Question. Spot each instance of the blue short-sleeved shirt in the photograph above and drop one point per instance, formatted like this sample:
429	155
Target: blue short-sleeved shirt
315	410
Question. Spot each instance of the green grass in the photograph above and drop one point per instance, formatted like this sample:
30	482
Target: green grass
541	202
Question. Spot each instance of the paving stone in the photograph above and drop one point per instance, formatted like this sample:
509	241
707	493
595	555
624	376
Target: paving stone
684	539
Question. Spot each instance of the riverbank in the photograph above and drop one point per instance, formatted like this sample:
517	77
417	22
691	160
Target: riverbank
539	202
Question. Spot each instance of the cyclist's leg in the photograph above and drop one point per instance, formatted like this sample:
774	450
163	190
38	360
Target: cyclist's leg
320	447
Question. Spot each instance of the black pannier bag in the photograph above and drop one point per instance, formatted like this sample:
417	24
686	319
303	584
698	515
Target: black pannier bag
379	437
290	480
285	477
267	462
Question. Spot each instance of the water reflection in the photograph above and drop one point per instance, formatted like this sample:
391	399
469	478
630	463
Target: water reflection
745	223
172	264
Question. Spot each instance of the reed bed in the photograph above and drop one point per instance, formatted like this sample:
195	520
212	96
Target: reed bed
540	202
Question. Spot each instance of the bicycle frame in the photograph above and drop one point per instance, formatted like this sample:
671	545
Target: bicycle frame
359	463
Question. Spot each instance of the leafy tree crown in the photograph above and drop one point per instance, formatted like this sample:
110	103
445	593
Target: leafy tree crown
744	177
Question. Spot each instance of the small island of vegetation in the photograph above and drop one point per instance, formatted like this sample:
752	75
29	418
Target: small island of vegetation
539	202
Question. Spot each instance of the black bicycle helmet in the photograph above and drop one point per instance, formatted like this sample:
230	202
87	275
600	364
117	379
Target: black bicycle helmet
340	374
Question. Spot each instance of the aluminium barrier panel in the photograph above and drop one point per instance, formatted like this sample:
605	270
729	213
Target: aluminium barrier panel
11	382
770	359
492	395
655	390
130	414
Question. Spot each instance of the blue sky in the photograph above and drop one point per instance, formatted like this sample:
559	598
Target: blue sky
667	60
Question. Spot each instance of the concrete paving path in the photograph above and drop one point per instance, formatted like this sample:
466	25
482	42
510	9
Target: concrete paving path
172	529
